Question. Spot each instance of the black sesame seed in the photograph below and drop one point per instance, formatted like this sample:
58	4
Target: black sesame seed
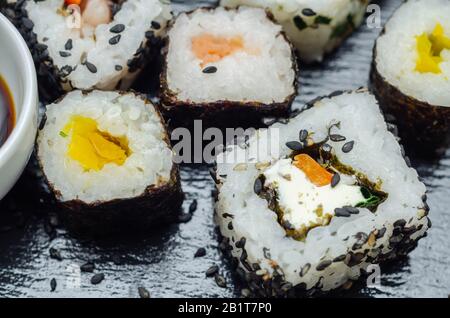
115	39
300	23
43	55
294	145
66	70
118	28
52	285
220	281
340	258
400	223
303	135
305	269
228	215
200	252
340	212
87	267
193	206
351	210
156	25
210	70
335	180
308	12
55	254
381	232
91	67
354	259
97	278
184	218
230	226
257	187
118	68
241	243
40	47
347	147
64	54
337	138
213	270
336	93
43	121
27	23
143	292
322	265
69	45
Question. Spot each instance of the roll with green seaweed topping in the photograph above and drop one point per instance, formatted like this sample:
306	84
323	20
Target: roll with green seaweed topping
314	27
229	65
86	44
107	159
337	196
410	73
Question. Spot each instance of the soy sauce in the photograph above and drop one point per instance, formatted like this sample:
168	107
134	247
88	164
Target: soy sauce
7	113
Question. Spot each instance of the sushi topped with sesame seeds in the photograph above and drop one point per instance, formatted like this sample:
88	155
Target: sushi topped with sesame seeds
89	44
233	65
315	27
306	206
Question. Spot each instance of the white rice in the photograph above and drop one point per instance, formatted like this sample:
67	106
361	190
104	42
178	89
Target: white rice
376	154
316	39
136	15
121	116
396	52
266	77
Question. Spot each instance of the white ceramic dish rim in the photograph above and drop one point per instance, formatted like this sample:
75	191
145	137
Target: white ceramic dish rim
27	112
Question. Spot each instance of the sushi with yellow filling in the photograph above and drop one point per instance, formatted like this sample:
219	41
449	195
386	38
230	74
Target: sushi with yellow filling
107	159
410	74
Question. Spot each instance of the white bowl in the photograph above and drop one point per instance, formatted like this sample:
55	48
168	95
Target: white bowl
17	69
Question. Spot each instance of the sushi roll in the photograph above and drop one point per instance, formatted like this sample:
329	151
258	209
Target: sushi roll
410	74
314	27
106	158
227	65
333	195
89	44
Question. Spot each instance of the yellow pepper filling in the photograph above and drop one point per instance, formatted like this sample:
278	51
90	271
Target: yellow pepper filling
429	48
91	147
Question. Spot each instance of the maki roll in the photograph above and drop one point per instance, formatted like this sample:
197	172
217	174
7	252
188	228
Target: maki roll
410	74
333	196
314	27
107	159
232	65
89	44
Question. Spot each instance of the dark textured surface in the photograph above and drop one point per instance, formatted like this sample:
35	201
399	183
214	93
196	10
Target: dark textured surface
163	261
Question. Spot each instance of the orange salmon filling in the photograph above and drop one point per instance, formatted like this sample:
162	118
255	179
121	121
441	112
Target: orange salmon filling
317	174
209	48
